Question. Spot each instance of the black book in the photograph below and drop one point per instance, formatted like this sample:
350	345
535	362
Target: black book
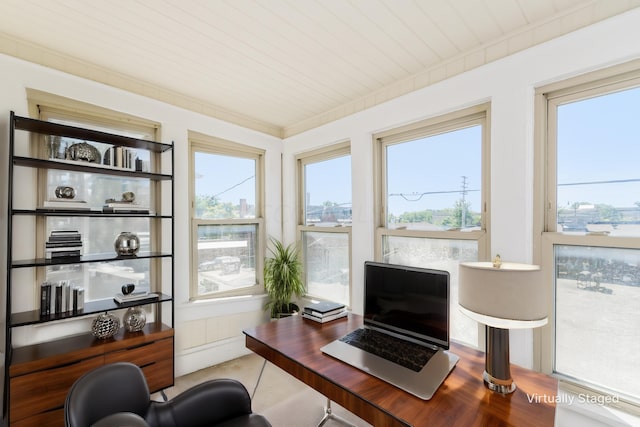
63	244
45	299
58	304
324	308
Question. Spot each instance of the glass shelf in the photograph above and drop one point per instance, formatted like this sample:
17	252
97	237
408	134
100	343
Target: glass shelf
50	128
43	262
78	166
90	307
87	213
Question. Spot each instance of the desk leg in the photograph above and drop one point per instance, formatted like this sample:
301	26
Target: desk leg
329	415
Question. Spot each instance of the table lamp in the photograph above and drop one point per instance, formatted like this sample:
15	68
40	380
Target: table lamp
502	296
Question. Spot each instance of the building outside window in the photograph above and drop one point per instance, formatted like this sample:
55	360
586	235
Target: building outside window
324	202
227	218
432	193
587	155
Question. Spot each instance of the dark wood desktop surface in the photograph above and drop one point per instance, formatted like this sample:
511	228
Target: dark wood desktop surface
294	343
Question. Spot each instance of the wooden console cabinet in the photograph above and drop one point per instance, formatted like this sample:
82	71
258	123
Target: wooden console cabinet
41	375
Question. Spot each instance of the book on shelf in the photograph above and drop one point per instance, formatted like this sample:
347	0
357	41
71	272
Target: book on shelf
121	157
66	204
135	296
78	299
63	243
327	318
324	308
64	253
120	207
45	299
124	207
60	297
64	236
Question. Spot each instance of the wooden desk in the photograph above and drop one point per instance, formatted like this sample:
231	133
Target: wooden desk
294	343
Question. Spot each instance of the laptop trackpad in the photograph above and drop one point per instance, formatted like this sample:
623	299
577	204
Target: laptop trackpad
422	384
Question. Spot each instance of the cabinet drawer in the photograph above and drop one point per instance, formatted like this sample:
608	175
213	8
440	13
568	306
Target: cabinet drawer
45	390
144	354
53	418
155	359
159	375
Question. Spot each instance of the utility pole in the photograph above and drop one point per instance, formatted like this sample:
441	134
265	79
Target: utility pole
463	219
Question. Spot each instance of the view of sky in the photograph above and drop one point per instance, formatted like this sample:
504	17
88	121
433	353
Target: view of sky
431	172
227	178
598	153
598	143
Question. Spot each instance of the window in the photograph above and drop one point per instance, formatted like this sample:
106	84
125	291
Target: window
587	156
432	196
325	222
98	234
227	218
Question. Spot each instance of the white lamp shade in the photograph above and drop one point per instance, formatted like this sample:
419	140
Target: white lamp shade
512	292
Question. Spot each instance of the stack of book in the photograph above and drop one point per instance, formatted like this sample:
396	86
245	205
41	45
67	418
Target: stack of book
124	207
324	311
134	296
63	244
60	297
65	204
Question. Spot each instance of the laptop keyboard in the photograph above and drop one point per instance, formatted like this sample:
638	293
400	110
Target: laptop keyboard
410	355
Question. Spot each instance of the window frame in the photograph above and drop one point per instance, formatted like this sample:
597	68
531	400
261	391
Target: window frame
201	143
303	159
476	115
50	107
546	235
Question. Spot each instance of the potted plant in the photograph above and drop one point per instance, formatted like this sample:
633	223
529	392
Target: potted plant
283	278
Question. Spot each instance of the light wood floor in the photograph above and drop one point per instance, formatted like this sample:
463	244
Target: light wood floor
285	401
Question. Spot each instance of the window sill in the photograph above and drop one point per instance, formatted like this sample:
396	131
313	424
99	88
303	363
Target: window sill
576	405
197	309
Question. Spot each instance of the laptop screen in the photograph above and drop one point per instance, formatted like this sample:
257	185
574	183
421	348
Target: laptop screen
408	301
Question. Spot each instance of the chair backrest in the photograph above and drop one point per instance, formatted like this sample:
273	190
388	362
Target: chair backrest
117	387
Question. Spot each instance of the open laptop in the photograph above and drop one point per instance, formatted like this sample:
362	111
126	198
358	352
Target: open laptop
406	315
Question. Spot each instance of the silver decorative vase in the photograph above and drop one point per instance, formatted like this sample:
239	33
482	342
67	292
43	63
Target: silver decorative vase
83	151
127	244
105	326
65	192
134	319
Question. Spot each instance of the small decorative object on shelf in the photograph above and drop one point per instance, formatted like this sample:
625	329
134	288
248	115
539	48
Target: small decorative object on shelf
134	319
128	196
105	326
128	288
83	151
127	244
65	192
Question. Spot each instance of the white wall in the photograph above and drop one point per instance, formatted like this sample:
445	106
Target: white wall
509	85
207	332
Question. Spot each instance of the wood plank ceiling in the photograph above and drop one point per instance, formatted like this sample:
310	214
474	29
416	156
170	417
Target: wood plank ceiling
282	66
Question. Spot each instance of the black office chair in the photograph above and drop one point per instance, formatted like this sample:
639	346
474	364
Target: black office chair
117	395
